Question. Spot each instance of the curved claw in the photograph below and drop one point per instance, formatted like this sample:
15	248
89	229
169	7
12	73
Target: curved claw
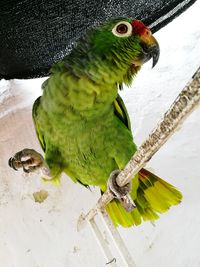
26	170
11	163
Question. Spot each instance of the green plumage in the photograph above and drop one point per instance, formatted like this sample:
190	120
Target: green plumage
83	125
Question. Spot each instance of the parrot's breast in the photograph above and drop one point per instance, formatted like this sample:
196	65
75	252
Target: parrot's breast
88	139
91	150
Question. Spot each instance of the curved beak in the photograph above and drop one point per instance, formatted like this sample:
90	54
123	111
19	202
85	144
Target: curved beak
151	49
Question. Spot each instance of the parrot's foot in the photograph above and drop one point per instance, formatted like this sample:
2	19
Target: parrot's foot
27	159
121	193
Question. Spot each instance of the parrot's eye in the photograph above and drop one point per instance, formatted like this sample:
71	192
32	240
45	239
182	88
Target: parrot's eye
122	29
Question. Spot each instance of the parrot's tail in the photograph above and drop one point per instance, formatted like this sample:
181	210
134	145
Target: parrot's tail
154	196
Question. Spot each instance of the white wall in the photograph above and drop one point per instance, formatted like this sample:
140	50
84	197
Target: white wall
45	235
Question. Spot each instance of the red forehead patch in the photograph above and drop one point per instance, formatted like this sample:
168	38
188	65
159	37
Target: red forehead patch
139	27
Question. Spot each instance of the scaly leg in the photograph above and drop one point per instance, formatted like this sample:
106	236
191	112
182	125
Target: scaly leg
121	193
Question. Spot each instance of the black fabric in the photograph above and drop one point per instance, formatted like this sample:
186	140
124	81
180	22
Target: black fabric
35	34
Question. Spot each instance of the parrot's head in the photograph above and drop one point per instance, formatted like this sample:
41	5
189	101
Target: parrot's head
117	49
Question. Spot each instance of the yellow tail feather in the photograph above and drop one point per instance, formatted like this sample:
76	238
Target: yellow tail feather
154	195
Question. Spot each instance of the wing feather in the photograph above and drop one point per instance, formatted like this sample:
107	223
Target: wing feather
121	112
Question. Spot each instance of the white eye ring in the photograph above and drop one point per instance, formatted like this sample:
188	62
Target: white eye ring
122	29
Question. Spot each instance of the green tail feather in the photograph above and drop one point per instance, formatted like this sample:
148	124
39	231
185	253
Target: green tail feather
154	196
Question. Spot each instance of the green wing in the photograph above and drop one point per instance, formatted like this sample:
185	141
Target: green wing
121	112
37	128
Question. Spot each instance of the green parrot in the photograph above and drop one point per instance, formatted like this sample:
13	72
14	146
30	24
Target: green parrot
82	123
